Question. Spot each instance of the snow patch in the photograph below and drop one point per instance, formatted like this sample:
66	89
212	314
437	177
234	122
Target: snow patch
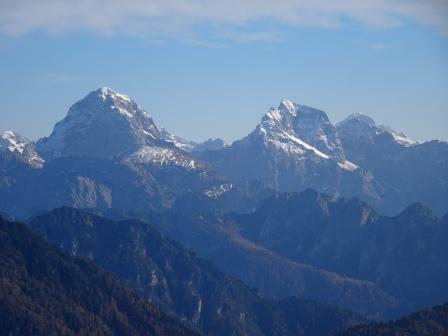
13	142
219	190
402	139
306	146
347	165
163	156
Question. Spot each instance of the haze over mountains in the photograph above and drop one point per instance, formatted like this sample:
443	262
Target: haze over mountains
296	147
351	216
293	148
182	284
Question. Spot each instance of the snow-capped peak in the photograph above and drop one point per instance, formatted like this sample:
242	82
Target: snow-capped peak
21	146
106	92
358	117
361	126
108	124
105	123
288	106
115	101
309	125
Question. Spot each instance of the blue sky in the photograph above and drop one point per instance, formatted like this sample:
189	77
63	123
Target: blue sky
211	73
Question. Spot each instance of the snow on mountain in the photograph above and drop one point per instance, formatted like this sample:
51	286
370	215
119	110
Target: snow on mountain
13	142
177	141
407	170
103	124
164	156
108	124
301	130
293	148
363	128
21	146
191	146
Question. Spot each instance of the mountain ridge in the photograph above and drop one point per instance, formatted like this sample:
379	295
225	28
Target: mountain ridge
46	292
161	271
348	237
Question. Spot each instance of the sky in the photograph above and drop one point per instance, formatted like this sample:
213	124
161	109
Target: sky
212	68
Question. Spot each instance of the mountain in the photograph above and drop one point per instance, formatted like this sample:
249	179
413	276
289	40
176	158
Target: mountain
275	276
181	143
191	146
193	289
78	182
358	132
108	124
107	152
293	148
405	255
429	322
47	292
412	171
210	145
103	124
21	146
296	147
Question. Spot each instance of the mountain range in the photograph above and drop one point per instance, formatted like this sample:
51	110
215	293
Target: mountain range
380	266
299	217
295	147
404	254
192	289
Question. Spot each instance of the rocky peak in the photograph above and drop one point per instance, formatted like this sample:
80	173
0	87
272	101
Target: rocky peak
304	123
210	145
13	142
103	124
21	146
361	127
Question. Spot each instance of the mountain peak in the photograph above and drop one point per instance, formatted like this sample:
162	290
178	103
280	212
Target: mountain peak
106	100
288	106
362	126
358	117
20	145
106	92
309	127
210	145
104	123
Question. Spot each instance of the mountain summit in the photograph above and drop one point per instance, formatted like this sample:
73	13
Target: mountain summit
22	147
103	124
304	126
293	148
297	147
364	129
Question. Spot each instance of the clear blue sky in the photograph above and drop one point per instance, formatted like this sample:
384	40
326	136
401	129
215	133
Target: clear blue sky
216	75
